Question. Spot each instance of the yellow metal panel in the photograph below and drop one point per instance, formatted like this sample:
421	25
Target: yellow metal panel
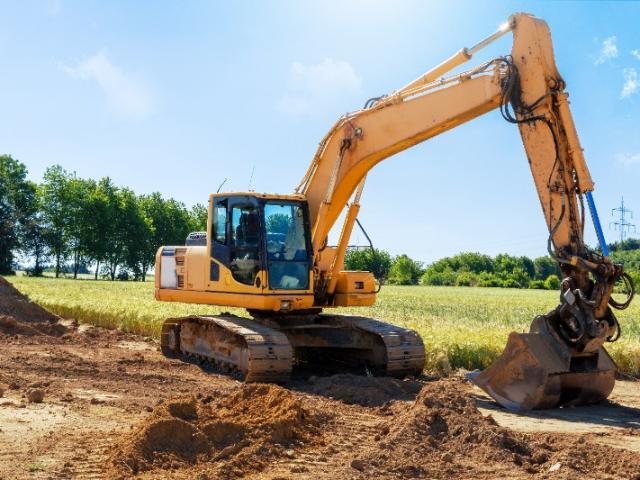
354	299
258	302
196	268
355	282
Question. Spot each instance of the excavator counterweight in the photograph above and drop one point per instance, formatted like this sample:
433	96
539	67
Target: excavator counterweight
269	253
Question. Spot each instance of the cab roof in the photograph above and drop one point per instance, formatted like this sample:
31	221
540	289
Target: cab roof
265	196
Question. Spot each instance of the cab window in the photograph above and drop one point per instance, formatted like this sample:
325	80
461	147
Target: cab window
287	255
245	243
220	222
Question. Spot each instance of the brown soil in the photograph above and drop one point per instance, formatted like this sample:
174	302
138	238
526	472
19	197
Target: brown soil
114	407
444	434
227	436
19	315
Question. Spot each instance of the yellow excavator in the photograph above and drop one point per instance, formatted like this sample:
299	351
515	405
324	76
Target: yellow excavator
269	253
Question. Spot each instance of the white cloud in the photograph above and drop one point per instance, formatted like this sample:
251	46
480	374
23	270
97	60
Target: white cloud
311	86
608	50
628	159
631	82
124	94
636	53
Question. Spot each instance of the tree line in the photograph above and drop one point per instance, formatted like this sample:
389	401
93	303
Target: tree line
70	225
465	269
67	222
471	269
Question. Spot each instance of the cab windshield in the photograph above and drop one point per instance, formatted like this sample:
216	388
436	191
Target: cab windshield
287	255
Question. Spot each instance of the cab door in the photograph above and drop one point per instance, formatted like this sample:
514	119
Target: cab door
237	249
219	241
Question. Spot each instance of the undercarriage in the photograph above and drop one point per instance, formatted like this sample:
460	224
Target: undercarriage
267	347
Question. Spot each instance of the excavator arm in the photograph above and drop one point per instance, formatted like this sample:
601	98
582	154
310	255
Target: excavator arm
562	359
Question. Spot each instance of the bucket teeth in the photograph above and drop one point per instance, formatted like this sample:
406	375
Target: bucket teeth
536	371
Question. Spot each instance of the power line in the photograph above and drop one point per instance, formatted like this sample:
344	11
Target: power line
622	225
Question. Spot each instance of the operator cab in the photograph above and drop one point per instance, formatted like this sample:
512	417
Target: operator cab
262	233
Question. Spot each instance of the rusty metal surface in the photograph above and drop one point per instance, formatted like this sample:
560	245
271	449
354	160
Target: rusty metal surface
535	372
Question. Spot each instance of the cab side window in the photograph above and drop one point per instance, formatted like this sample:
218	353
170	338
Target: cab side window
220	222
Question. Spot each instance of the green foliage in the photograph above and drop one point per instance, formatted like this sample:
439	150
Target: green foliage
34	241
474	269
199	218
17	197
537	285
467	279
545	266
56	206
466	261
377	262
86	222
405	271
487	279
552	282
628	244
446	277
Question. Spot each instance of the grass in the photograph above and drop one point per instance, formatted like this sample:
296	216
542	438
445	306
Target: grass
461	327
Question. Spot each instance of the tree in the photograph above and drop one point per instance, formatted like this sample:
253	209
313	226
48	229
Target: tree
137	233
170	223
115	246
507	264
405	271
34	242
446	277
375	261
79	228
55	212
17	197
552	282
461	269
628	244
100	210
199	218
545	266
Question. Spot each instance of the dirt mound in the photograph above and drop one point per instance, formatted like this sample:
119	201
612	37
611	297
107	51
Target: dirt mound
444	435
21	316
365	391
228	436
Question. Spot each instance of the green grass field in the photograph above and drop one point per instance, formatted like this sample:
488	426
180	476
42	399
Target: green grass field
461	327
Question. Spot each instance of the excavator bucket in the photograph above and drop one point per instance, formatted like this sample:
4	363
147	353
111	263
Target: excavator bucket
536	371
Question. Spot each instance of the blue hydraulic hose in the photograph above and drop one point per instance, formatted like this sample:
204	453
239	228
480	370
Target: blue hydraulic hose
596	224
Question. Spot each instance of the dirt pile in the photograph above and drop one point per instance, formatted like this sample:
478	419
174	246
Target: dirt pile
21	316
444	435
228	436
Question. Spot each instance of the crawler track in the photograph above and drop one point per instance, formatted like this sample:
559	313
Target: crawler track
404	348
258	353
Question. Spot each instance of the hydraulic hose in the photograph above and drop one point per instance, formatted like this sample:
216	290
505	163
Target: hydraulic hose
631	291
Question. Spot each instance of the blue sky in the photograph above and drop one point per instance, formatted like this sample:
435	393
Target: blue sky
177	96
